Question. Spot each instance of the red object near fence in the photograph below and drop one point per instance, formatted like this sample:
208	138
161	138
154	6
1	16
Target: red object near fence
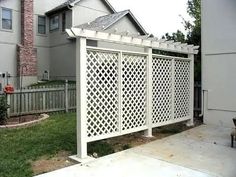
9	89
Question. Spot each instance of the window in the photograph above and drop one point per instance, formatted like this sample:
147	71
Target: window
41	25
6	19
63	21
54	23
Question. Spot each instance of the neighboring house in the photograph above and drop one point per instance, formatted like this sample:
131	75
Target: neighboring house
219	61
33	38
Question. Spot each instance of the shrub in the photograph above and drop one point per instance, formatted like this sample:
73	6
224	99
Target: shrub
3	109
101	148
126	146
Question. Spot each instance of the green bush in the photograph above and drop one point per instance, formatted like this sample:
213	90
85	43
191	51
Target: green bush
126	146
101	148
3	109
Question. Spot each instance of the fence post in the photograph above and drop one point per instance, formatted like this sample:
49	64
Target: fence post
190	122
81	59
44	100
66	97
148	132
8	96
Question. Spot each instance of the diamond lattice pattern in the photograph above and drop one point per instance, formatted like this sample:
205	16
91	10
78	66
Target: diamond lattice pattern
162	90
134	91
102	93
182	89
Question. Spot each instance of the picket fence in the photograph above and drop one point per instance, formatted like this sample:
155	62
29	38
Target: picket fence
42	99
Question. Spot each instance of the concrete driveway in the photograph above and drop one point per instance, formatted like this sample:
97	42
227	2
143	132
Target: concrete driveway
200	152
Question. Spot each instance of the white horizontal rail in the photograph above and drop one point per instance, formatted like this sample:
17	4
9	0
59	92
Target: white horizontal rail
170	57
131	40
116	51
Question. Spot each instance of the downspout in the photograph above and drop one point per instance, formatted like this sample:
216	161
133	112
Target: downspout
69	6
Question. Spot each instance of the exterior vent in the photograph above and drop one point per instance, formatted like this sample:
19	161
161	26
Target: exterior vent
46	75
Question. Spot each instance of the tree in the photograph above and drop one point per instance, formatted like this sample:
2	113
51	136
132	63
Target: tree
193	32
177	37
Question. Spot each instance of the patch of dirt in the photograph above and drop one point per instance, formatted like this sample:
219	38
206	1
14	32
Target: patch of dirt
136	139
133	140
47	164
22	119
61	160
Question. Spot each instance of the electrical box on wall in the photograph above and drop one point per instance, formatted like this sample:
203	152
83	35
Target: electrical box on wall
2	75
4	78
46	75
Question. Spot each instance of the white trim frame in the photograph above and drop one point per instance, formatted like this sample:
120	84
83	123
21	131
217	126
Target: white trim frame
140	41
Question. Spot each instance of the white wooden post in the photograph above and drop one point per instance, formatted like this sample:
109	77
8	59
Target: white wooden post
148	132
66	97
81	97
173	89
120	57
191	122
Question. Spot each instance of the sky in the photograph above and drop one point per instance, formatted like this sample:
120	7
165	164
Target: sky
156	16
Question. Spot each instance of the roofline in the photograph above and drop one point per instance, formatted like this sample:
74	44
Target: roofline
51	12
133	18
137	22
72	4
110	6
106	2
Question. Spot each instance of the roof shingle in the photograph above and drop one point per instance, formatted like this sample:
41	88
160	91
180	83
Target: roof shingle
104	22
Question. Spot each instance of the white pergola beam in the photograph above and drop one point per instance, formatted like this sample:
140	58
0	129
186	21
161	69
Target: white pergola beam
141	41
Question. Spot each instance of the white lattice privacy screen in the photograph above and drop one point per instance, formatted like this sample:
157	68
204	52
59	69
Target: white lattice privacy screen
102	93
121	92
117	92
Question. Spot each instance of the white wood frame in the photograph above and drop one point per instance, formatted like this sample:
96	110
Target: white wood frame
131	40
149	44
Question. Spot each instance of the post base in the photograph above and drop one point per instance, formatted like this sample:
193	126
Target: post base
81	160
190	123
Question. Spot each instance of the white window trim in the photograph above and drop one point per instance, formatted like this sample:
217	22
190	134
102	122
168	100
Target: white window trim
46	26
56	29
12	17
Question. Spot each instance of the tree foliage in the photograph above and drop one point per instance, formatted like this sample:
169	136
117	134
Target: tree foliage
193	32
177	37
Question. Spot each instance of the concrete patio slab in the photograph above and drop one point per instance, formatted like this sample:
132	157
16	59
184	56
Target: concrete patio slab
200	152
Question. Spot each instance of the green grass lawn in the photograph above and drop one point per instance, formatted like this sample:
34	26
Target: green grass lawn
20	146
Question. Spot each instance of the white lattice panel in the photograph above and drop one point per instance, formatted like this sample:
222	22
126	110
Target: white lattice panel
102	93
182	89
161	90
134	91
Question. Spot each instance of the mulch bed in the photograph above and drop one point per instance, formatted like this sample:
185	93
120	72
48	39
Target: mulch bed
22	119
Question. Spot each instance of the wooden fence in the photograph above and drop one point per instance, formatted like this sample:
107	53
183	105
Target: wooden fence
42	99
45	99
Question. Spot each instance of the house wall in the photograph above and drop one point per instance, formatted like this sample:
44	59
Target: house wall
123	25
219	61
62	56
55	53
43	42
88	10
9	39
